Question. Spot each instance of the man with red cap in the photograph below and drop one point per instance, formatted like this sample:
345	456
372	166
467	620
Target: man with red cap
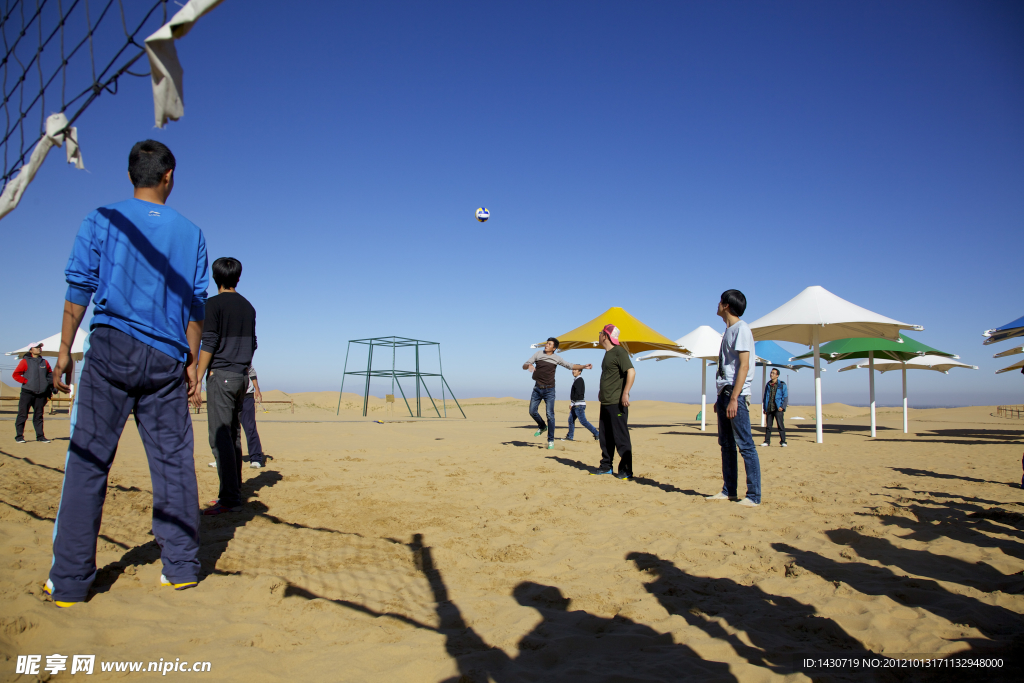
36	377
617	375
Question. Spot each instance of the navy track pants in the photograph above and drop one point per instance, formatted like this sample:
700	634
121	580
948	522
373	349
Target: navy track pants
121	376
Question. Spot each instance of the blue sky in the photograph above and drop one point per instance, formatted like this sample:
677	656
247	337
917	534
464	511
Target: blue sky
643	155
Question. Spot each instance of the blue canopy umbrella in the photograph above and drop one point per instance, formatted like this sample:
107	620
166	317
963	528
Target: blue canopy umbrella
1007	331
771	355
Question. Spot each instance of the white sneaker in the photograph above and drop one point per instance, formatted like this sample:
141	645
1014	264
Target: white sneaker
784	445
764	445
718	496
747	503
213	464
255	465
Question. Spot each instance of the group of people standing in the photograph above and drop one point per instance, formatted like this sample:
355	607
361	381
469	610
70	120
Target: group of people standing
733	380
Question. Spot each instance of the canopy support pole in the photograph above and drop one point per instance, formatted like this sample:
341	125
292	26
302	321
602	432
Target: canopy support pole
366	393
904	398
816	336
871	384
764	379
344	370
703	393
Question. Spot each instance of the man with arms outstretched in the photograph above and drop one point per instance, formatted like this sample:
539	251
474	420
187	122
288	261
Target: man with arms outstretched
542	364
143	265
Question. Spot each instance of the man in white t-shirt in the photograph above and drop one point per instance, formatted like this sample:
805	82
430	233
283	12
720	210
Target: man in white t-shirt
732	406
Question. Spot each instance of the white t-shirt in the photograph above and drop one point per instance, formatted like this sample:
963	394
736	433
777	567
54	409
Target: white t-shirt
736	338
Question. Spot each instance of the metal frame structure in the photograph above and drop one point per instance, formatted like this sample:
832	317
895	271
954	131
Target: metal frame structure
395	343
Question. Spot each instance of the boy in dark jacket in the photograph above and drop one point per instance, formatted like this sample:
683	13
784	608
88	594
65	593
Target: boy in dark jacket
36	379
578	406
229	341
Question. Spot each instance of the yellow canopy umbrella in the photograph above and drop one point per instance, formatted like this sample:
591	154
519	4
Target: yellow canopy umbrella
634	336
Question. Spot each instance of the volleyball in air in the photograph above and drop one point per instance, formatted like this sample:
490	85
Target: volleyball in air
482	215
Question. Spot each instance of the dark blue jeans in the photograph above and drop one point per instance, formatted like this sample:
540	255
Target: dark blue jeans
733	434
579	413
548	396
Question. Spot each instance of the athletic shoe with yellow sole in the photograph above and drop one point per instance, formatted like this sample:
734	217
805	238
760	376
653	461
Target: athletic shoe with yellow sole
178	586
48	589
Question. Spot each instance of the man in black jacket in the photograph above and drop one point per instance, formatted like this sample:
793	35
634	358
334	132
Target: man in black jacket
36	379
229	341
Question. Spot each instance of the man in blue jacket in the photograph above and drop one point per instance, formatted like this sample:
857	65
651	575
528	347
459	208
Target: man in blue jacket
774	401
143	266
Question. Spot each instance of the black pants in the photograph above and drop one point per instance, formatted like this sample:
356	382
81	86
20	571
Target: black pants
225	392
248	420
613	428
777	416
37	401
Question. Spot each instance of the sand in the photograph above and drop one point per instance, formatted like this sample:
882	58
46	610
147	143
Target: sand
430	550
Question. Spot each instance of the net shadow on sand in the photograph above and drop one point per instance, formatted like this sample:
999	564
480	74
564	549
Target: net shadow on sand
567	645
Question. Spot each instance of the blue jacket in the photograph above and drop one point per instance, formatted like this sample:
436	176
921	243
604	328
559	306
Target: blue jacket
781	397
144	267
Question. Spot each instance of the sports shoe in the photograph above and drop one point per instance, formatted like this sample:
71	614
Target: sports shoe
551	444
764	445
43	439
567	439
784	444
720	496
213	464
594	474
48	589
218	509
19	439
540	431
256	462
177	586
597	438
624	477
747	503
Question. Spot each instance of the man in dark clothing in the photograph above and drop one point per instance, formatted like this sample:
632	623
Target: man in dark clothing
36	379
542	364
617	375
774	403
578	406
229	341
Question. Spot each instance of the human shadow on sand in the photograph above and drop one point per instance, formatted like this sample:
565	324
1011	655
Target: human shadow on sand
567	645
643	481
779	628
966	520
915	472
996	623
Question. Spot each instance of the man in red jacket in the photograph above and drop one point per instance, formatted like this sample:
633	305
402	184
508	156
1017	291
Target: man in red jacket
36	379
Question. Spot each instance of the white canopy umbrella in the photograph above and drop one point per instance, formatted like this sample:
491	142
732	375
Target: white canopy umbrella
816	315
703	343
1016	366
1009	352
937	363
51	346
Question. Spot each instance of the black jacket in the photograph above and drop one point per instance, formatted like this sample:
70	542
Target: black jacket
38	376
579	389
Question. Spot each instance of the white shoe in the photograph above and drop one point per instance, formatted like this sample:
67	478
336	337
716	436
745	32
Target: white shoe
254	465
213	464
784	445
718	496
747	503
764	445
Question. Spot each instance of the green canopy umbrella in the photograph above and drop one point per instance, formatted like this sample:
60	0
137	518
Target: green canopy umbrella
866	347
